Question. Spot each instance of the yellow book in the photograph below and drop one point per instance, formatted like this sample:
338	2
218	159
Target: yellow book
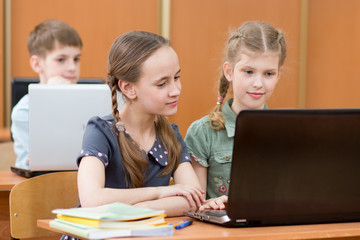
151	221
85	231
111	212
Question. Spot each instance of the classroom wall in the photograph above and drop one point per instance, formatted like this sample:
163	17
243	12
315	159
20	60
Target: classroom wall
333	54
199	38
2	110
322	51
98	23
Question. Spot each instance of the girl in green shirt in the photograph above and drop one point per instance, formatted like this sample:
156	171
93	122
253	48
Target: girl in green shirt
255	53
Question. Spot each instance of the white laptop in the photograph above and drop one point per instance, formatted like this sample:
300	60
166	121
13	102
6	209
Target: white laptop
58	115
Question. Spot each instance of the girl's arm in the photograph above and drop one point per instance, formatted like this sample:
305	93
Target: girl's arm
201	173
175	204
92	191
91	182
213	203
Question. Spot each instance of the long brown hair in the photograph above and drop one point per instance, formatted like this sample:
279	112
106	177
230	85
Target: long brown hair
126	57
257	37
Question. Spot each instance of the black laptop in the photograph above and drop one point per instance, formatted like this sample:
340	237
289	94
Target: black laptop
298	166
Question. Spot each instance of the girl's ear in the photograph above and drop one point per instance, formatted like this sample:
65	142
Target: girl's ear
127	89
36	63
228	71
280	72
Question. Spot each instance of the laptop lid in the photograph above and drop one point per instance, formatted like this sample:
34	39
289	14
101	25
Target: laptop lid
294	167
58	115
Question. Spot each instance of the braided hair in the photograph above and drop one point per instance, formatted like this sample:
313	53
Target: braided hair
253	36
125	60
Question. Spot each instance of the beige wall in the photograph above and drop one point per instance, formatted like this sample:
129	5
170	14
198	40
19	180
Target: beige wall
333	78
199	38
98	23
199	29
1	63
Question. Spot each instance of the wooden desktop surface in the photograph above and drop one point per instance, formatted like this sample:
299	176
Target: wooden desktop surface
199	231
8	180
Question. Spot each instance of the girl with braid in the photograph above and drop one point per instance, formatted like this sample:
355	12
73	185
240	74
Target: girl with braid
130	155
254	57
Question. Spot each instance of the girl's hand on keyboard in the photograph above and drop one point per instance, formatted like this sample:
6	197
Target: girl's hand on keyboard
215	203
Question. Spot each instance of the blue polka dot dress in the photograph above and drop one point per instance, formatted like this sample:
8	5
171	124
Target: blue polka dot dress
101	141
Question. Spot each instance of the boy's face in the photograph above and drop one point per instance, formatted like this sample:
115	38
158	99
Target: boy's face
60	65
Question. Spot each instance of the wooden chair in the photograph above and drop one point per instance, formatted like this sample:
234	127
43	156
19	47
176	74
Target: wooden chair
36	197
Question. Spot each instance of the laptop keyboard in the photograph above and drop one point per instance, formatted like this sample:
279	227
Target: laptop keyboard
215	213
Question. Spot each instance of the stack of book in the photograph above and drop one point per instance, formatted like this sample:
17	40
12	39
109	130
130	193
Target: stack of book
111	220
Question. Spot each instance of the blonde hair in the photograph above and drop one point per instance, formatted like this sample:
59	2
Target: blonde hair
257	37
44	36
126	57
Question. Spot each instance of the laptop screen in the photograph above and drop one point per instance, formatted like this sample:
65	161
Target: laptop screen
296	166
58	115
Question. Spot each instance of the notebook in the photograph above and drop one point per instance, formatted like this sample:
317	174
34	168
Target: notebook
58	115
293	167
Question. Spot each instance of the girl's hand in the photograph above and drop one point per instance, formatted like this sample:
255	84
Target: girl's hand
215	203
194	195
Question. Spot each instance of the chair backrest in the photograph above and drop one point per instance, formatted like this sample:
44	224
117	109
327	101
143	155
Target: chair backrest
19	86
36	197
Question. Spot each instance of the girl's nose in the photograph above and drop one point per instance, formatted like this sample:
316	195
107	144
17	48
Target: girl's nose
175	88
257	81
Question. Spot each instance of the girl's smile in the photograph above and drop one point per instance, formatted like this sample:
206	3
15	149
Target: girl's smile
174	103
255	95
254	78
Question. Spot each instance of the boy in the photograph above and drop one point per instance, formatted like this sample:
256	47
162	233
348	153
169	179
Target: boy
54	49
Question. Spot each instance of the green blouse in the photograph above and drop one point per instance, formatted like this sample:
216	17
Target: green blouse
213	150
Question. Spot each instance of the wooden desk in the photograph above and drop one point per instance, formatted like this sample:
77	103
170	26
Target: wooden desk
8	180
199	230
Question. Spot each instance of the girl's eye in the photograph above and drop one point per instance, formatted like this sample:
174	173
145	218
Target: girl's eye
248	71
61	60
269	74
77	59
161	84
177	78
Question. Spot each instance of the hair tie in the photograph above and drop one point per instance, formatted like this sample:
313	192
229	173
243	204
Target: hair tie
220	100
120	126
241	35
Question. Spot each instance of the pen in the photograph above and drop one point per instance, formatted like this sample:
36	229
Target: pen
182	224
